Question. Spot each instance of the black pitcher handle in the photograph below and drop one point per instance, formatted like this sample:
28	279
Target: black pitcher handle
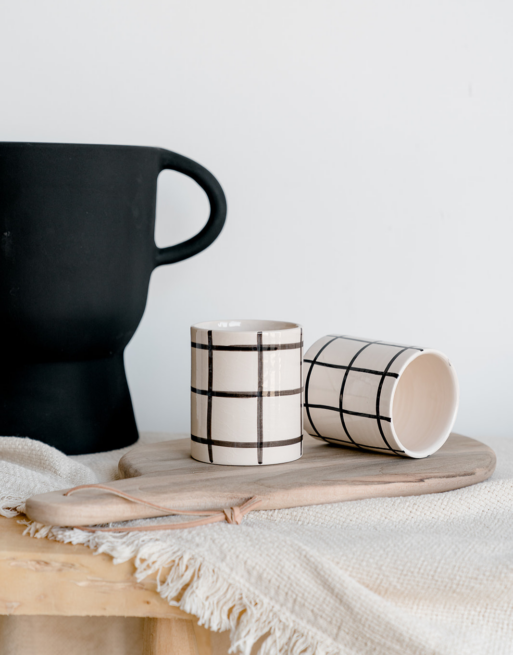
209	184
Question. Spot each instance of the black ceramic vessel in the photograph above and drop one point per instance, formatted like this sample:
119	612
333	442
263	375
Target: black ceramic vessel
77	250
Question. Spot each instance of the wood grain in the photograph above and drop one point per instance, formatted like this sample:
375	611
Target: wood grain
174	637
39	576
43	577
164	473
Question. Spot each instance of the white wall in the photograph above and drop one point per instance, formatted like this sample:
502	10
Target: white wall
366	150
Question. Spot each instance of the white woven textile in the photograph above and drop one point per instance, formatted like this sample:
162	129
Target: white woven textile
424	575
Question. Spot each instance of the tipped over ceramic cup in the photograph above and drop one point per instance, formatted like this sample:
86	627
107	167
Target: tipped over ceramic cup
379	396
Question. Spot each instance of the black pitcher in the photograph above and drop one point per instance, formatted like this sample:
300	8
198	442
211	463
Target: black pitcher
77	250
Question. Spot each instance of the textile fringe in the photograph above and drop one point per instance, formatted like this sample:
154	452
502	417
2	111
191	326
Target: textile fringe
11	506
218	604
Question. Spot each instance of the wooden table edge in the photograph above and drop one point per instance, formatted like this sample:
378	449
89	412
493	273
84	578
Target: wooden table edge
41	577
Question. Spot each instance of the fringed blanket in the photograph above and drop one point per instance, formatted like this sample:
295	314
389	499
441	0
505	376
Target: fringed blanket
424	575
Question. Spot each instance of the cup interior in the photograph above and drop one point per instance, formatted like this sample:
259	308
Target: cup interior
425	403
246	326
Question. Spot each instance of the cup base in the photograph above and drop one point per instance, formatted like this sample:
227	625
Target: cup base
226	456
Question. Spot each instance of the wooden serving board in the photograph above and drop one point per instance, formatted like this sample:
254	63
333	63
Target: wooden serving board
165	474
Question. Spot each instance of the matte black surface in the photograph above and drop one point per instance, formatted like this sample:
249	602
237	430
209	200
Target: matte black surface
77	250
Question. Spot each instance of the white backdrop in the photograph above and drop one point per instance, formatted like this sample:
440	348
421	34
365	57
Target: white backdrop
365	148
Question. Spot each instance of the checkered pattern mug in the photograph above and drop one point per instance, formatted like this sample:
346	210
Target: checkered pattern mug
379	396
246	392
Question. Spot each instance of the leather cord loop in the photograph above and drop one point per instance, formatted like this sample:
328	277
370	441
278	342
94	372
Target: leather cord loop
232	515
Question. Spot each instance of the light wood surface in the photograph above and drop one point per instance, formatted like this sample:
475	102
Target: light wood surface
165	474
43	577
39	576
174	637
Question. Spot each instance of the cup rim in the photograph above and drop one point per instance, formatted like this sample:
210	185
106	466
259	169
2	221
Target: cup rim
434	447
227	325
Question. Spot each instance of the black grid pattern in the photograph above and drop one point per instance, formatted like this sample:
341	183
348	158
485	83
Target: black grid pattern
343	411
260	394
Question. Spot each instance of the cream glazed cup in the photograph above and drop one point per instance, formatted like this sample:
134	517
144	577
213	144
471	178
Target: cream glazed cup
246	392
379	396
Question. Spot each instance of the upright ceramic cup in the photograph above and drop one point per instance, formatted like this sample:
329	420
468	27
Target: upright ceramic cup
246	394
379	396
